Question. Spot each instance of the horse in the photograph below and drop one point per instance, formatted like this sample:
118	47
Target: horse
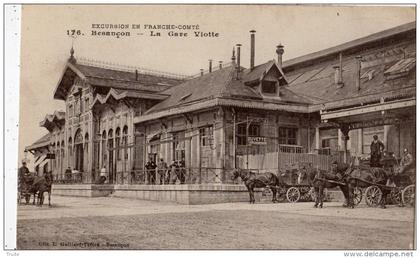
46	187
257	180
39	186
320	180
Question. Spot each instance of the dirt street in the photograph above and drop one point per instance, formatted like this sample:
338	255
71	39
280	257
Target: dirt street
114	223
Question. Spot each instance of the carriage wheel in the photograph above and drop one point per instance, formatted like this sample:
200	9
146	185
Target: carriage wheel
357	195
293	194
373	196
409	195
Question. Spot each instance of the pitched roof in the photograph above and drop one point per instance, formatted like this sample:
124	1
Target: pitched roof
318	83
351	45
44	141
222	83
209	85
119	79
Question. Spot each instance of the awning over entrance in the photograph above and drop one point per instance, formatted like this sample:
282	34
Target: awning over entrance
42	164
384	113
40	160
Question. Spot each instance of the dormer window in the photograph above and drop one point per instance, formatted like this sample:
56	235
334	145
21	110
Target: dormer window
269	87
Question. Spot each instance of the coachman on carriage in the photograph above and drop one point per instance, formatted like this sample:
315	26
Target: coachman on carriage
31	184
389	179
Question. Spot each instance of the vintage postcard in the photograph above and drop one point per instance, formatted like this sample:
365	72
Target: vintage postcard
215	127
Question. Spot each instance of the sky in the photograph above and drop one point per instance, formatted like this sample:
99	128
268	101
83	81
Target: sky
45	44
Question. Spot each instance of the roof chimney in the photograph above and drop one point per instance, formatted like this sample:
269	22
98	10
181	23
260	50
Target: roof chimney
280	52
210	65
201	72
233	58
220	65
252	49
358	68
337	76
340	57
238	58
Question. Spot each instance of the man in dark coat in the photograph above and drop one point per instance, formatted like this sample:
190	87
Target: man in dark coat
151	171
23	170
182	171
376	148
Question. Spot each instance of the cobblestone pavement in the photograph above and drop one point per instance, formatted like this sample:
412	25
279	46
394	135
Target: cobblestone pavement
63	207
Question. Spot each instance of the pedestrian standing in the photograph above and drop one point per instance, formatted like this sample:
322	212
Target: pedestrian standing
182	170
173	174
151	171
161	167
23	170
406	162
376	148
103	175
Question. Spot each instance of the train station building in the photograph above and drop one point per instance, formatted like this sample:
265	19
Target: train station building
316	108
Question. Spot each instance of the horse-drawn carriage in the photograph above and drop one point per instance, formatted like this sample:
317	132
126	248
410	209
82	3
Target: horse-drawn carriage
389	183
296	184
31	184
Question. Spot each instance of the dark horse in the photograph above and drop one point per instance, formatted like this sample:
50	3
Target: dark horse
320	180
38	185
257	180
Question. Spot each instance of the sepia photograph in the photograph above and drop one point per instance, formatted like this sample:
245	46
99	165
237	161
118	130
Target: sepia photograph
214	127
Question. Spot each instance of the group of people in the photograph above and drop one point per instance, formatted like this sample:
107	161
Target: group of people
161	173
376	151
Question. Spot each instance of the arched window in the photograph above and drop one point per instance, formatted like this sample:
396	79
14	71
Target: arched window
103	145
86	154
78	138
125	141
86	139
117	142
62	156
70	153
110	139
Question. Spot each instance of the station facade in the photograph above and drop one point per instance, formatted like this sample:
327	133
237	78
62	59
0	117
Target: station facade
315	108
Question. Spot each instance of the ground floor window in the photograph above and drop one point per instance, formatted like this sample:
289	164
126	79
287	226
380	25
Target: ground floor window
288	135
241	132
206	136
178	146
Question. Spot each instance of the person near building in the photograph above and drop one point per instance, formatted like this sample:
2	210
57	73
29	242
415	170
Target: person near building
173	172
23	170
376	148
162	167
68	175
102	176
151	171
407	161
182	170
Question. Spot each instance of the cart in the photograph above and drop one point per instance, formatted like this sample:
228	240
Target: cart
297	188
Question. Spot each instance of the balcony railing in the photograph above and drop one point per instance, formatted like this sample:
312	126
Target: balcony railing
291	148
